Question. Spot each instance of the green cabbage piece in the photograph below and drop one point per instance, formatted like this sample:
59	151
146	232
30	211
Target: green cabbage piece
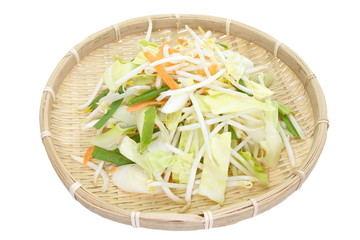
144	46
260	91
215	174
272	142
117	70
172	120
142	79
236	65
267	79
219	103
153	162
258	169
126	118
130	149
110	139
181	168
159	160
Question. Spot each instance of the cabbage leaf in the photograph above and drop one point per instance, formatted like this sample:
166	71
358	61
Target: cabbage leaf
215	174
110	140
116	71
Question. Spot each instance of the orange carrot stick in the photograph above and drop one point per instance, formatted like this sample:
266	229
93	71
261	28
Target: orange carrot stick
114	169
160	53
141	105
161	71
213	68
181	41
206	57
173	50
88	155
202	73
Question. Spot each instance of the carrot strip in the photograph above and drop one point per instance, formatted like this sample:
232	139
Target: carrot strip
141	105
169	64
181	41
160	53
213	68
88	155
202	73
161	71
114	169
206	57
173	50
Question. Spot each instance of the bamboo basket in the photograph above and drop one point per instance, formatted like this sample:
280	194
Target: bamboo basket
75	77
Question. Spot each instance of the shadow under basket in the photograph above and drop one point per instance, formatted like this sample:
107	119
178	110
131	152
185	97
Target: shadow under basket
77	74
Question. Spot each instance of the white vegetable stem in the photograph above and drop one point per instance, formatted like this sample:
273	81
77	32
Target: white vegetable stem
296	126
148	33
93	95
288	147
93	166
192	174
237	85
198	44
242	144
204	129
167	190
131	74
208	122
175	59
192	87
190	75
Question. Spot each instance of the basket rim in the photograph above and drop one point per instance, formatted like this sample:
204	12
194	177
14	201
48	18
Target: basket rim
186	221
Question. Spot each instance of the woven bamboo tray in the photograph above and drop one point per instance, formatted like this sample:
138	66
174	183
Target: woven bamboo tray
78	72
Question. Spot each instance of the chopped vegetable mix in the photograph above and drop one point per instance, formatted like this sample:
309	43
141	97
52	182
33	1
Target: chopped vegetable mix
190	113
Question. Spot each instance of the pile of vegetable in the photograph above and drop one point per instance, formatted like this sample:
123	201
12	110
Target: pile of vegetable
193	115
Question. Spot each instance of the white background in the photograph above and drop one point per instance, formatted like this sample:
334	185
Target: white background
35	35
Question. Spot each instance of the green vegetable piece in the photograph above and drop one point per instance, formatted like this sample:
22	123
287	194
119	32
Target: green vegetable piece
113	107
289	125
181	168
95	102
222	45
242	83
148	128
145	43
259	170
110	139
283	109
111	157
267	79
215	173
148	95
233	134
143	79
172	120
136	137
